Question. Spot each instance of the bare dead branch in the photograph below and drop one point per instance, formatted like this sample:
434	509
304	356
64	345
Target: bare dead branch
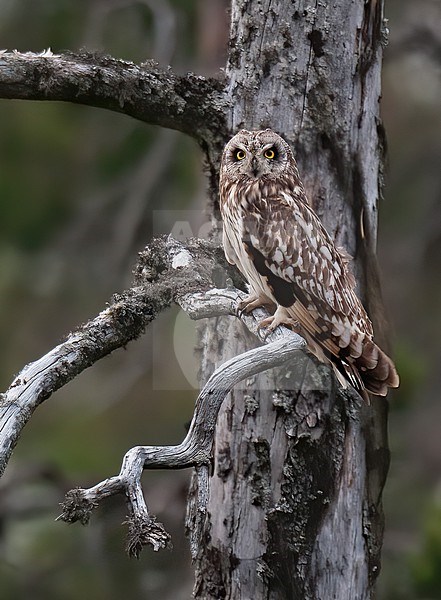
114	327
196	448
160	281
190	103
169	272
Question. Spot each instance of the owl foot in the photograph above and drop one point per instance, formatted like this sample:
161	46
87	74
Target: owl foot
280	317
255	301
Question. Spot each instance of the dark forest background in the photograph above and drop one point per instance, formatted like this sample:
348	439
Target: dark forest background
81	192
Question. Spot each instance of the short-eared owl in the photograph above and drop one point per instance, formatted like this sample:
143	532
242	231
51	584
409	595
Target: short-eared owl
290	262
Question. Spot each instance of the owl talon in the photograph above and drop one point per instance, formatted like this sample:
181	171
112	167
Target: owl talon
254	301
280	317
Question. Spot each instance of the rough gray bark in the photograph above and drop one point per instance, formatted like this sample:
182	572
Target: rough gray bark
168	271
158	285
191	103
195	450
294	506
295	498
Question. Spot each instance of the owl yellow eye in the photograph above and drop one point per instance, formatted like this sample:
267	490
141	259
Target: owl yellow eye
269	153
239	154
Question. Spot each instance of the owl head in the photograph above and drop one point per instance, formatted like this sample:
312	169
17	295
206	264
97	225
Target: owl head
256	155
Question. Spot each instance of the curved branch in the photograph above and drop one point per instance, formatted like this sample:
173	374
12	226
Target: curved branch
192	104
170	272
114	327
159	282
194	451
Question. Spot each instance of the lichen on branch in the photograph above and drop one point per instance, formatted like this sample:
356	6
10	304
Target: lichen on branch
190	103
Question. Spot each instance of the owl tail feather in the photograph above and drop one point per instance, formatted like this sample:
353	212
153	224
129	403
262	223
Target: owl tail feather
346	372
376	369
373	371
361	362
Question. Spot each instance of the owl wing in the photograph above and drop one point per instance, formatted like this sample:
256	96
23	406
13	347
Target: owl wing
305	271
310	276
230	253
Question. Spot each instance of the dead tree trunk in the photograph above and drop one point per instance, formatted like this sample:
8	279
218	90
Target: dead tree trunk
294	510
293	506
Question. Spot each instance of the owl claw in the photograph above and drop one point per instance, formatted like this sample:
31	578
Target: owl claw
254	301
280	317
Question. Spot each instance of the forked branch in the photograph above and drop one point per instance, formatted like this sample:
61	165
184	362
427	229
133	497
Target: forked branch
169	271
161	280
195	450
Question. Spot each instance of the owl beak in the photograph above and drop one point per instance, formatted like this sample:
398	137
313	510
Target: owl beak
254	167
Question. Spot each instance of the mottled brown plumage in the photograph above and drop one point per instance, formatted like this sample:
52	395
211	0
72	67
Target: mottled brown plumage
290	262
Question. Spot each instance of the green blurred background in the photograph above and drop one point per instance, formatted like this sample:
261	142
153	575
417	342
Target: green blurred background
81	192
